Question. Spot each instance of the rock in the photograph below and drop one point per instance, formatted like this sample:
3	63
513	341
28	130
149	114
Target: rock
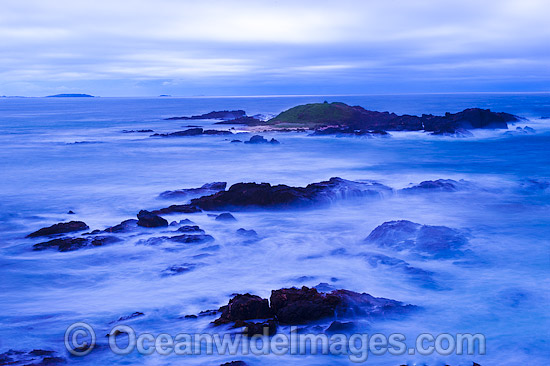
430	241
247	233
440	185
245	120
206	189
234	141
234	363
217	132
149	219
60	228
269	327
348	131
299	306
129	317
190	132
226	216
178	269
124	226
70	212
191	316
177	209
140	131
36	357
339	115
190	229
244	307
224	115
243	196
339	327
257	139
70	244
191	239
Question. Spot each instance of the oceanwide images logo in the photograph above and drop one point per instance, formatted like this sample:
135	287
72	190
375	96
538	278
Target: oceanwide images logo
80	340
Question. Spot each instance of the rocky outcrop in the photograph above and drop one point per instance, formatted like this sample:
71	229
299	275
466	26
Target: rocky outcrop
206	189
300	306
226	216
225	115
35	357
71	244
60	228
124	226
242	196
177	209
257	139
149	219
248	121
440	185
357	118
244	307
197	131
429	241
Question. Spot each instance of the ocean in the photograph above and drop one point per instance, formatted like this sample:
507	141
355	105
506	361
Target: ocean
62	154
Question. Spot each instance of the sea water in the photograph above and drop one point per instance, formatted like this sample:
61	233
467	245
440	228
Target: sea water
61	154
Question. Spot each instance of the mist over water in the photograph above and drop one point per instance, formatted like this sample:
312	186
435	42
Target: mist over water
499	288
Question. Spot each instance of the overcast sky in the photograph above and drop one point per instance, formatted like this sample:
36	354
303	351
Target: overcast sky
239	47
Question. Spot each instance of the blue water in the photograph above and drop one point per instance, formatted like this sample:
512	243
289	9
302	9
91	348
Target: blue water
504	293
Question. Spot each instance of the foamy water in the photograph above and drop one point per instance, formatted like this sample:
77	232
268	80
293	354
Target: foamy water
502	290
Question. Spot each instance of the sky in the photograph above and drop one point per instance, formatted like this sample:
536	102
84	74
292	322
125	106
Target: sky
273	47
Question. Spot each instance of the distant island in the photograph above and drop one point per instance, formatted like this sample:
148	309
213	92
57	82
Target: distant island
340	118
70	96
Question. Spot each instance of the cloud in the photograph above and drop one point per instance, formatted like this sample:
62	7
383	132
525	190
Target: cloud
287	44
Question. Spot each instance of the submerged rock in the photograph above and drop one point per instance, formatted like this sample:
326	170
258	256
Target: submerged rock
269	327
431	241
177	209
60	228
191	229
149	219
178	269
195	131
242	196
206	189
124	226
36	357
441	185
226	216
70	244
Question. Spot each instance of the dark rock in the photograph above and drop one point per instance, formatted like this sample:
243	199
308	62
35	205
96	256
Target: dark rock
347	131
70	212
299	306
35	357
441	185
208	312
191	317
191	229
234	141
63	244
105	240
217	132
242	196
149	219
269	327
128	317
177	209
206	189
140	131
257	139
124	226
226	216
338	327
247	233
245	120
432	241
70	244
225	115
244	307
234	363
357	118
191	239
178	269
60	228
190	132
